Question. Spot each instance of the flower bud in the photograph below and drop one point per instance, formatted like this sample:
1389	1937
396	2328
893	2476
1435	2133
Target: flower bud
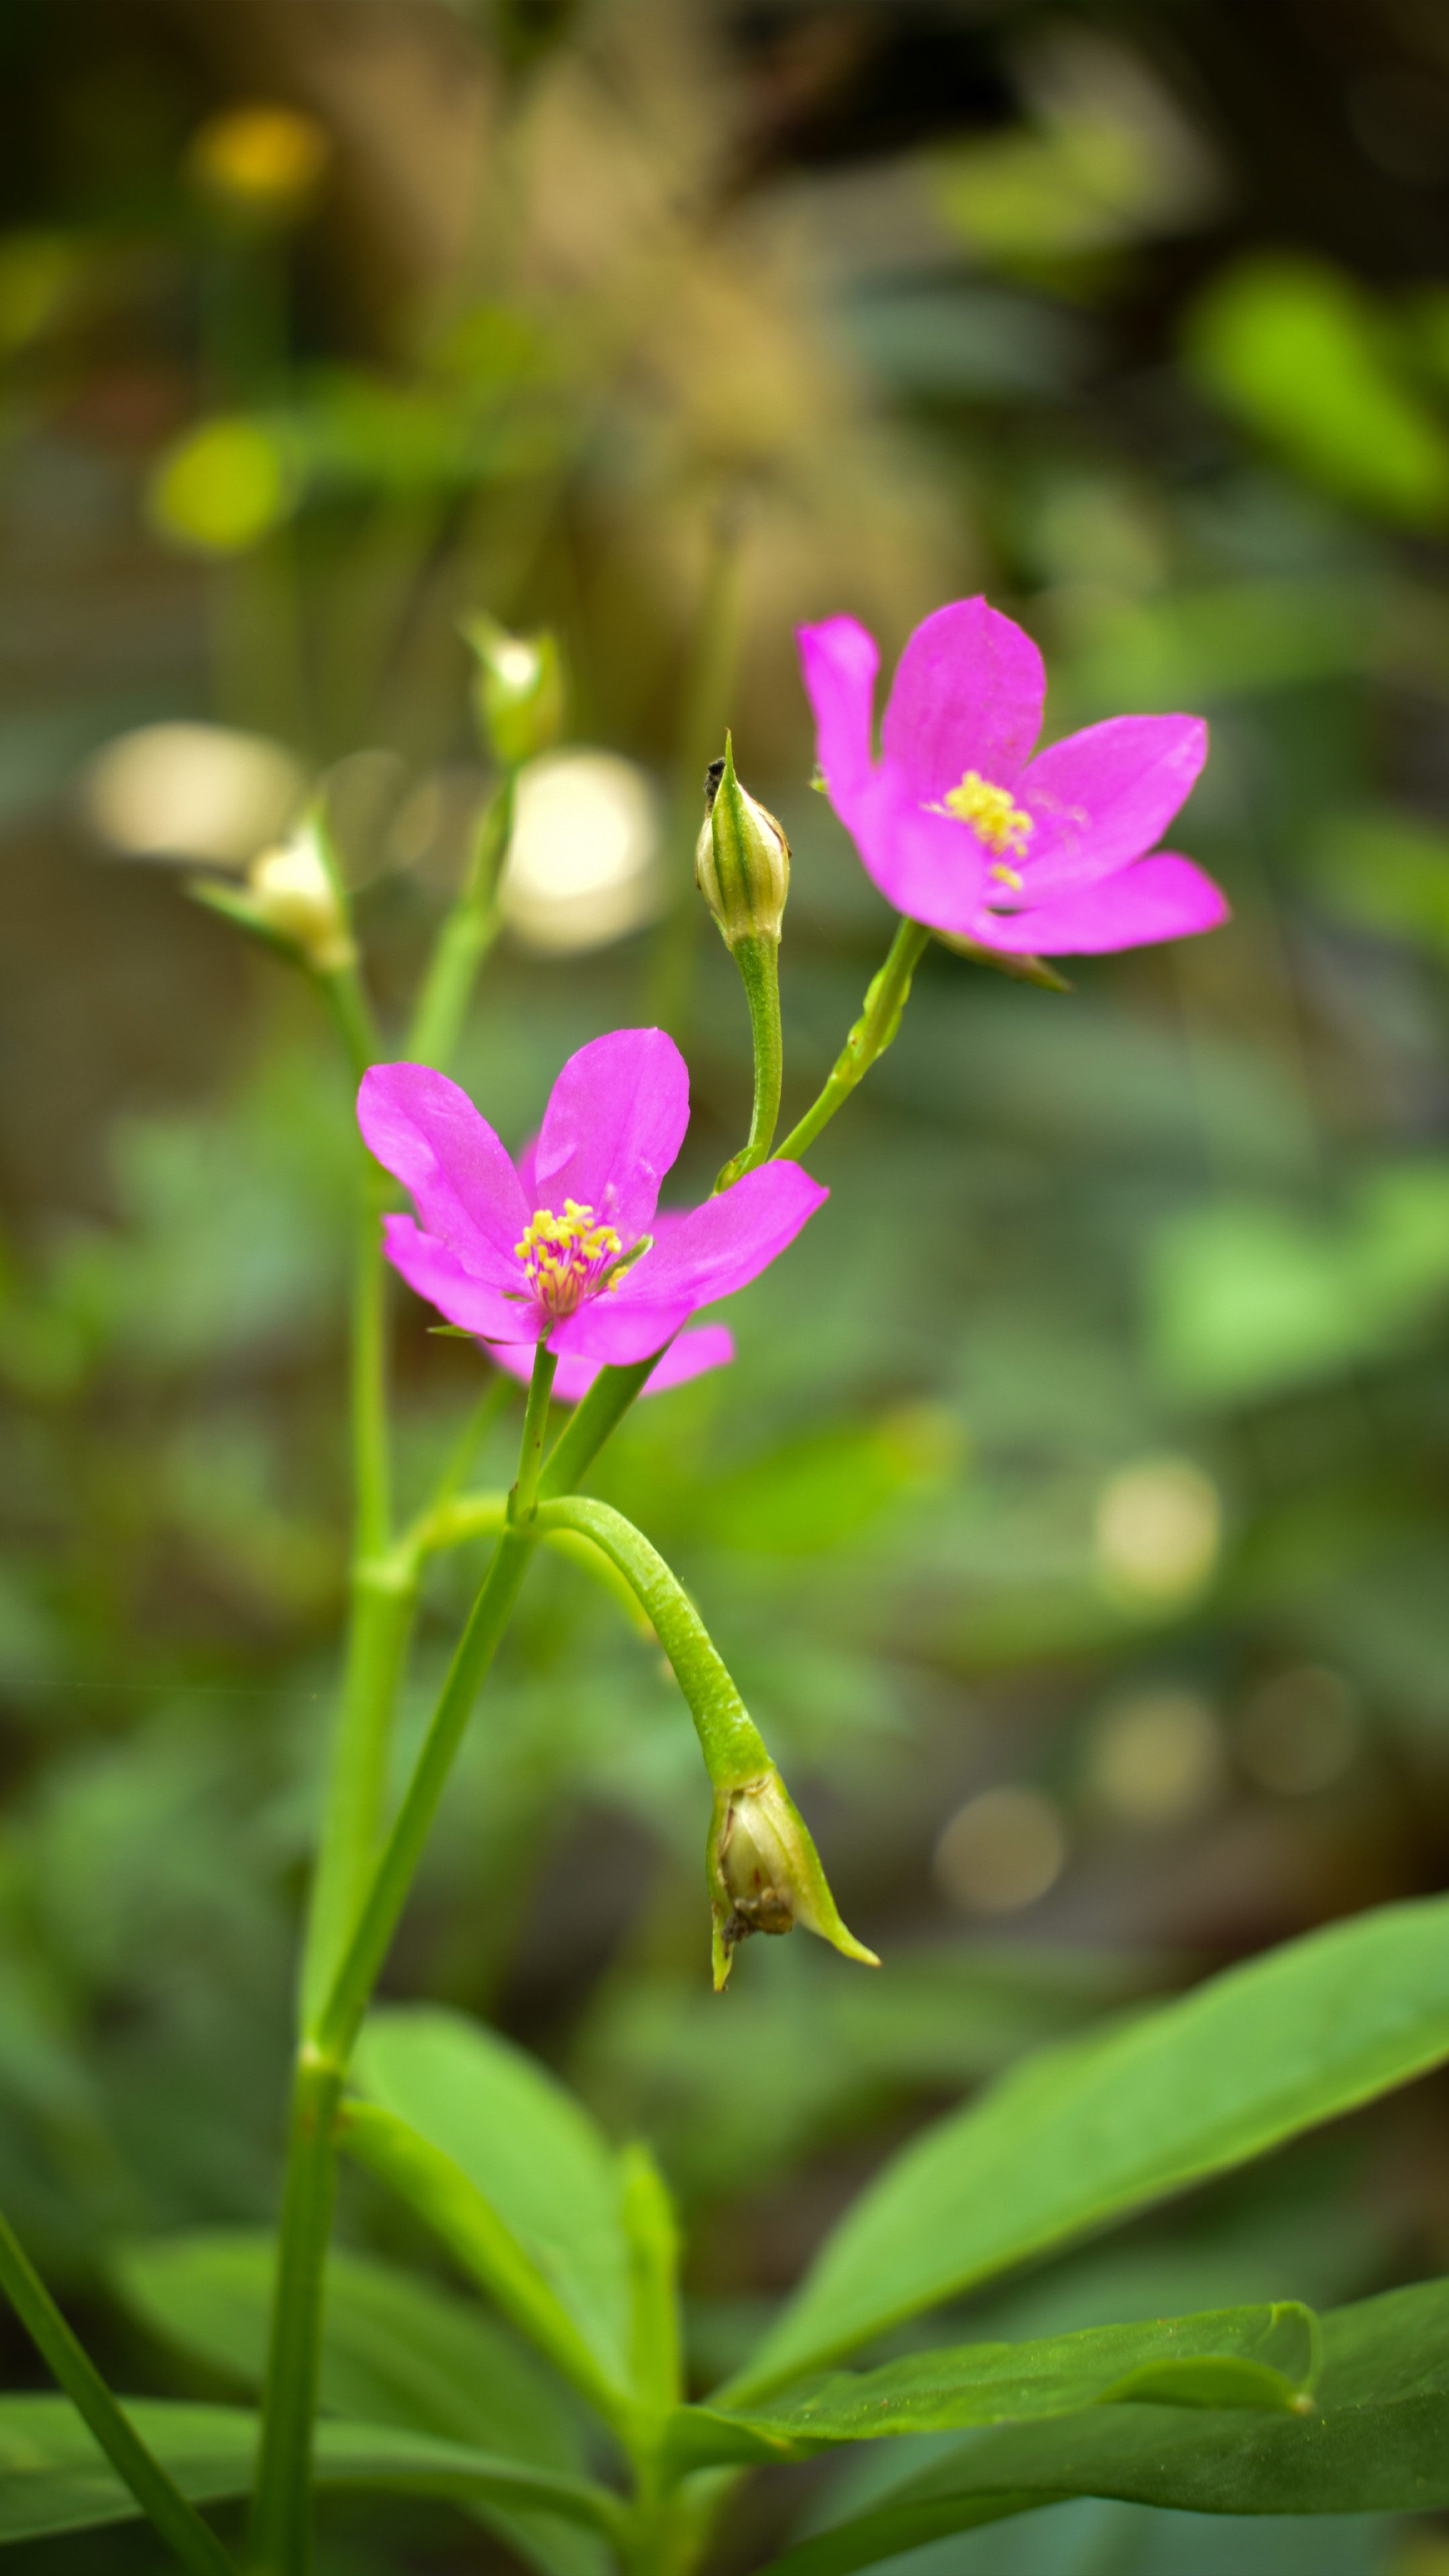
741	859
518	692
294	895
765	1873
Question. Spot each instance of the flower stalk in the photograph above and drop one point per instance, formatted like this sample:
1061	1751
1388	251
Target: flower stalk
886	997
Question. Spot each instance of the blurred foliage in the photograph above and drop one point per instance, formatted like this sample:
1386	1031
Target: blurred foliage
665	329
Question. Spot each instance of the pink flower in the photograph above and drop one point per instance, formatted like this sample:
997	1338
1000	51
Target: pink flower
964	831
567	1244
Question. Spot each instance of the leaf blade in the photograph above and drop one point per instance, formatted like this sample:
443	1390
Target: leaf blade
1377	2442
525	2145
396	2350
54	2478
1259	2356
1081	2134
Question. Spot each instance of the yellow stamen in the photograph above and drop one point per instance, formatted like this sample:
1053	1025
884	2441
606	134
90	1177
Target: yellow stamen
1007	876
563	1255
993	814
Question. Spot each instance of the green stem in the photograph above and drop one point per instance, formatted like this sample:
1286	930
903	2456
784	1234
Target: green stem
879	1020
758	959
384	1604
467	934
594	1418
342	990
280	2539
535	1427
384	1598
340	2017
159	2498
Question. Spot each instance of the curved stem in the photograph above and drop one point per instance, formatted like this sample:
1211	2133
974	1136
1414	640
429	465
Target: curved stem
160	2499
732	1745
885	999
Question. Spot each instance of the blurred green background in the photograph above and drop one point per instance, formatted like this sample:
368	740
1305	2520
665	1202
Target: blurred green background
1074	1517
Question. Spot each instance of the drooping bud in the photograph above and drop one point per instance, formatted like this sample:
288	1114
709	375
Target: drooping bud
295	896
765	1873
518	692
741	859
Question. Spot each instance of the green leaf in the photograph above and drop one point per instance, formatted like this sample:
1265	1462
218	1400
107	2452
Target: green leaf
1297	349
1377	2442
526	2147
54	2478
1080	2134
1255	2357
396	2350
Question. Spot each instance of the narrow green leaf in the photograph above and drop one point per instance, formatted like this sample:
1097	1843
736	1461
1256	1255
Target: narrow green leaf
526	2146
453	2207
653	2233
1377	2441
1080	2134
1256	2357
396	2350
53	2476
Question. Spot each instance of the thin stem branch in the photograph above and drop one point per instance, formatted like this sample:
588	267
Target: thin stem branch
155	2491
341	988
593	1421
340	2017
467	934
535	1429
879	1020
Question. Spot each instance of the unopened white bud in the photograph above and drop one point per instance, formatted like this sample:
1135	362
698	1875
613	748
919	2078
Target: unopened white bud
294	894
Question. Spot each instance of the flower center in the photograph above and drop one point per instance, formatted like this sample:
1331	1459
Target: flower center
995	818
565	1255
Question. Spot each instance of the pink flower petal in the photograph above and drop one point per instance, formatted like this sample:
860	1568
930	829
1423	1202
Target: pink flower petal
1102	797
437	1274
715	1249
728	1241
839	662
968	694
928	865
1164	897
710	1346
427	1133
612	1128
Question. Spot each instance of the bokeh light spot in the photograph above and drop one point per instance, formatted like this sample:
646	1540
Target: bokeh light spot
1156	1758
583	867
1001	1851
1159	1528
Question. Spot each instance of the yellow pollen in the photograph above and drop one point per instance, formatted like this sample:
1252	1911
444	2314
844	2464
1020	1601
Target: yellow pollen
1007	876
563	1255
993	814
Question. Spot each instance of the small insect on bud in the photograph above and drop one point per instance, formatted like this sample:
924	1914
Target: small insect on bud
294	895
741	859
518	692
765	1873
